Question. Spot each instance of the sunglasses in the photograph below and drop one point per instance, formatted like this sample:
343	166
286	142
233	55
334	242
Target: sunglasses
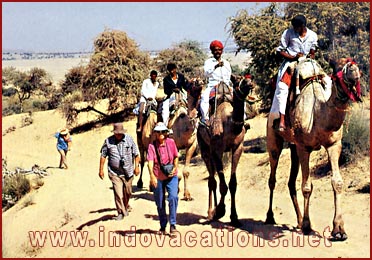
162	132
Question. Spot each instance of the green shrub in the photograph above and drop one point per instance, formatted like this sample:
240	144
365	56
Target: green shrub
16	186
355	142
8	92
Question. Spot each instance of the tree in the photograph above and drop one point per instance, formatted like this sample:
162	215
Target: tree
340	35
187	55
115	72
260	34
26	83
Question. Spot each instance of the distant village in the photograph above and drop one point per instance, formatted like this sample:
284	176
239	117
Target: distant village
27	55
43	55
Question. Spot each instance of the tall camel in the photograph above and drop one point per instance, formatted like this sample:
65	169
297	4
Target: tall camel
315	121
184	124
226	134
145	137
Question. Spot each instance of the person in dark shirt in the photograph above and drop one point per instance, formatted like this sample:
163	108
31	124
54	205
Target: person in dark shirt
174	82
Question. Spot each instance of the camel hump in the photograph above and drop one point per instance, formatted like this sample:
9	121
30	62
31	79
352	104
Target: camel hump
309	68
307	106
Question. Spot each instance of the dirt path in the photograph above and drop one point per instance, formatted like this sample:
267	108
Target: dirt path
76	199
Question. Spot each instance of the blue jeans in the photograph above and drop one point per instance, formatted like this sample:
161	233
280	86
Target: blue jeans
171	186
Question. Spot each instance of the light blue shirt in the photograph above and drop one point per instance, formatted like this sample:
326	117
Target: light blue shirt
293	44
61	143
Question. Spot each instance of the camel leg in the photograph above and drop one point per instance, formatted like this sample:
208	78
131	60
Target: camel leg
186	173
338	232
274	147
212	184
292	183
142	161
221	208
233	185
307	188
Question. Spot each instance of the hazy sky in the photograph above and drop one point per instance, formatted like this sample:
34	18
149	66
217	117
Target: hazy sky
154	26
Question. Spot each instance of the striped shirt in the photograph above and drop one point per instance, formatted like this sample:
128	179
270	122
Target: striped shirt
124	149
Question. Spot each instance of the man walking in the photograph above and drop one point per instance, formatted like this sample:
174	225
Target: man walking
123	162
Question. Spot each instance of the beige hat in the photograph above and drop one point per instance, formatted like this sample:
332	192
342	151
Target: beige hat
119	128
64	131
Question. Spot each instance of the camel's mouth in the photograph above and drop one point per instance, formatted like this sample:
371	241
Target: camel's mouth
355	93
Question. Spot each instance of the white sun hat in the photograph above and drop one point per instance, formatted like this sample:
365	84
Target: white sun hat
160	126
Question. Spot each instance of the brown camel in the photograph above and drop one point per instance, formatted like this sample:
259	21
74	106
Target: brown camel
184	124
226	134
315	121
145	136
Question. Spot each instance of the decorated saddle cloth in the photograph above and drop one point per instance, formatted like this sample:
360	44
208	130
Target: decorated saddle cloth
221	90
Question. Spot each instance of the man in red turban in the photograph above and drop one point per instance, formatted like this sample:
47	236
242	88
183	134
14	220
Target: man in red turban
215	44
216	69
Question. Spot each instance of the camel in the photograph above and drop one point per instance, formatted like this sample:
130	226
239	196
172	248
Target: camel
184	124
145	137
226	134
315	120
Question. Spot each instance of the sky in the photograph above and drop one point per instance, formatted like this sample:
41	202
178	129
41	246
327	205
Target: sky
72	27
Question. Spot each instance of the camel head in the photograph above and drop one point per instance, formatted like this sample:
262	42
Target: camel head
195	87
351	78
242	86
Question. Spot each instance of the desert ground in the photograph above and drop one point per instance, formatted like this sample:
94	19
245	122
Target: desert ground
76	202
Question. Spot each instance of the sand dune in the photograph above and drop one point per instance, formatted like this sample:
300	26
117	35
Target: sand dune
77	200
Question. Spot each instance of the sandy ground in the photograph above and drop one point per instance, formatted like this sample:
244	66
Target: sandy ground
76	202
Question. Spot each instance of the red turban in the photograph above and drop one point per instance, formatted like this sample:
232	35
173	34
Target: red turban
215	44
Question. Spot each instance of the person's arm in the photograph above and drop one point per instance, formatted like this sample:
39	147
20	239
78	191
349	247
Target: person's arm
287	56
314	46
144	90
101	164
209	67
69	145
150	165
175	165
136	165
153	180
167	87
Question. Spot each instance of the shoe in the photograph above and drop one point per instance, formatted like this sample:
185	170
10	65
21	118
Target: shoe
119	217
161	231
173	230
205	122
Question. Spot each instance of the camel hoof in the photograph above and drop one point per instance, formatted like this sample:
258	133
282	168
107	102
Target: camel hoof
270	219
306	226
220	211
235	223
336	237
211	213
140	184
187	198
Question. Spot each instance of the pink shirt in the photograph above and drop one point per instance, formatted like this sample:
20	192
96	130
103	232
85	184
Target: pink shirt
167	153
